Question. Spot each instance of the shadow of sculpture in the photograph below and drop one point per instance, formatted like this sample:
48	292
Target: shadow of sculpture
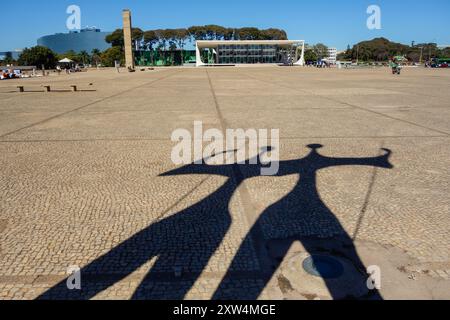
182	244
301	216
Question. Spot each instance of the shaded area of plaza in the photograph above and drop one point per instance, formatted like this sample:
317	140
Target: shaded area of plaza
87	180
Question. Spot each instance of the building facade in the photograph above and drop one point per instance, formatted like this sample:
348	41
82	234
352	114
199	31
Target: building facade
10	54
332	55
234	52
83	40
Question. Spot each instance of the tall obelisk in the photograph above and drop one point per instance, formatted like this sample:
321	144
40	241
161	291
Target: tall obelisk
129	57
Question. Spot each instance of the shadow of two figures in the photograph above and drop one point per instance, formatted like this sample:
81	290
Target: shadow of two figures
186	241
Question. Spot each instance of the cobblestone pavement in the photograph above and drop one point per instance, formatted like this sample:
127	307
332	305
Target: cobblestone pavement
87	180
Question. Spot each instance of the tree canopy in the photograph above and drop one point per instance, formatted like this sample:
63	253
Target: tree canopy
381	49
310	55
111	55
320	50
177	38
38	56
116	38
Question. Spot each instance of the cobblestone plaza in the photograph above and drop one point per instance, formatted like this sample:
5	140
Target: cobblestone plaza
87	180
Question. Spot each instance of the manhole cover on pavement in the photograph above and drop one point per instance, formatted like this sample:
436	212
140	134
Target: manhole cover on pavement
323	266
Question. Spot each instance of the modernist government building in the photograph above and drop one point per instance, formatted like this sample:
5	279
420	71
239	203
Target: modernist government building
83	40
251	52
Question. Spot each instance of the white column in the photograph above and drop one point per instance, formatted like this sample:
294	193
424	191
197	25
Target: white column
301	61
198	56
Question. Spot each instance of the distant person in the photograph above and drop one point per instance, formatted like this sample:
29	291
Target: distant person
394	64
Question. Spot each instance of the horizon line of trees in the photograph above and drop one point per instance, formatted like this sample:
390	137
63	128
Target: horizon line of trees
173	39
315	52
381	49
163	39
378	49
40	55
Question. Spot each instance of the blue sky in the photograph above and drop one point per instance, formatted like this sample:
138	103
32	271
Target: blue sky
336	23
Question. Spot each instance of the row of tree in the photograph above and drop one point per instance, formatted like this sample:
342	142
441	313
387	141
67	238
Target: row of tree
172	39
381	49
38	56
84	57
315	52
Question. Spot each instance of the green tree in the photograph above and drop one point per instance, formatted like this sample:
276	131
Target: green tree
96	57
137	36
229	34
150	39
162	38
320	50
172	46
341	56
430	50
111	55
171	38
444	53
160	42
215	32
310	55
197	32
38	56
167	38
412	55
116	39
273	34
380	49
84	57
182	35
248	33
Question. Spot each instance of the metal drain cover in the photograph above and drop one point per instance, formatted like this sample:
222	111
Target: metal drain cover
323	266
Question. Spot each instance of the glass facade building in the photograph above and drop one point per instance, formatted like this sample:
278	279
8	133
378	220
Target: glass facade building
83	40
10	54
248	54
159	58
235	52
